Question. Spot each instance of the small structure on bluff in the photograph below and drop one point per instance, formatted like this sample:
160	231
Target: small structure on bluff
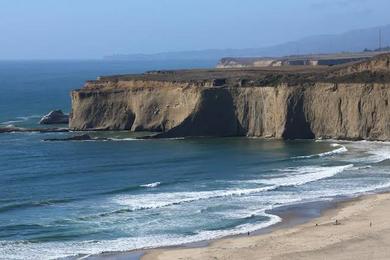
54	117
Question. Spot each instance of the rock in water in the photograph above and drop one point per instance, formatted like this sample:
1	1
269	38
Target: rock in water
84	137
10	129
54	117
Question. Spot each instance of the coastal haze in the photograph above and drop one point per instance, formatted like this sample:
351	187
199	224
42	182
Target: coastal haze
187	122
92	29
349	41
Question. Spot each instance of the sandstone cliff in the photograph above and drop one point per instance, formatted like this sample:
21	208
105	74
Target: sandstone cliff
293	103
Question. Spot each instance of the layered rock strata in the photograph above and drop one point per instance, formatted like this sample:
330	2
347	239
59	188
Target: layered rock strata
346	102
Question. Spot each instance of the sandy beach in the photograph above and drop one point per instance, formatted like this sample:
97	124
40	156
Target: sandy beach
357	229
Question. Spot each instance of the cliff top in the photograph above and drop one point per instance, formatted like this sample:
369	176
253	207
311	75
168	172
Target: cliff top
373	70
330	59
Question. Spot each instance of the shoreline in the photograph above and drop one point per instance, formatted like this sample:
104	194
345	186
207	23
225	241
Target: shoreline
361	222
291	216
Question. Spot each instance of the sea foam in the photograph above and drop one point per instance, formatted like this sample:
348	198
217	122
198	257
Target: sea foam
55	250
302	175
296	176
159	200
379	155
19	119
374	152
339	150
151	185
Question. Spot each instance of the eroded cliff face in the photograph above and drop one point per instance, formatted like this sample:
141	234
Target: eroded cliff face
135	106
215	108
328	110
349	111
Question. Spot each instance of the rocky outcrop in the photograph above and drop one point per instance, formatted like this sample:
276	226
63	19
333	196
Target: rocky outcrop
13	129
83	137
54	117
296	105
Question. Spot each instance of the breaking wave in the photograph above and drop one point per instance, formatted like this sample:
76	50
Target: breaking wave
20	119
151	185
339	150
373	152
297	176
123	139
55	250
302	175
131	203
379	155
159	200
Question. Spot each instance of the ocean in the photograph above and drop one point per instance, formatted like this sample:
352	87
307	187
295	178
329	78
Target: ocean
79	198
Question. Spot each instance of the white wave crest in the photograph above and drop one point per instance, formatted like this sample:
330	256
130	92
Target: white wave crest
151	185
379	155
25	118
19	119
159	200
11	122
123	139
297	176
9	126
348	191
374	152
339	150
302	175
55	250
362	167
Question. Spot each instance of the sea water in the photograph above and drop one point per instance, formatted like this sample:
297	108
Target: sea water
61	199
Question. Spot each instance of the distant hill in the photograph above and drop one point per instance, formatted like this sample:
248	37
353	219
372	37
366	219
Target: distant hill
352	41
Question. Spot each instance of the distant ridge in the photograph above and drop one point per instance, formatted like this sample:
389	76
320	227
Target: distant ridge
351	41
331	59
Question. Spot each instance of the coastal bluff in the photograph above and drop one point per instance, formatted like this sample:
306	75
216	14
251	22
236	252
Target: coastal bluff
349	101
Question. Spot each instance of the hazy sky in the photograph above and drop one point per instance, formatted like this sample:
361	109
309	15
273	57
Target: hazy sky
48	29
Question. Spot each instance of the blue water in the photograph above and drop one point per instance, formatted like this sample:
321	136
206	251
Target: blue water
60	199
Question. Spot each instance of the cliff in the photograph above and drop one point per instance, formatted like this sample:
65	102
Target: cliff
344	102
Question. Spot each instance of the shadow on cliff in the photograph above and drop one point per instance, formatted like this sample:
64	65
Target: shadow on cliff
296	126
213	116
